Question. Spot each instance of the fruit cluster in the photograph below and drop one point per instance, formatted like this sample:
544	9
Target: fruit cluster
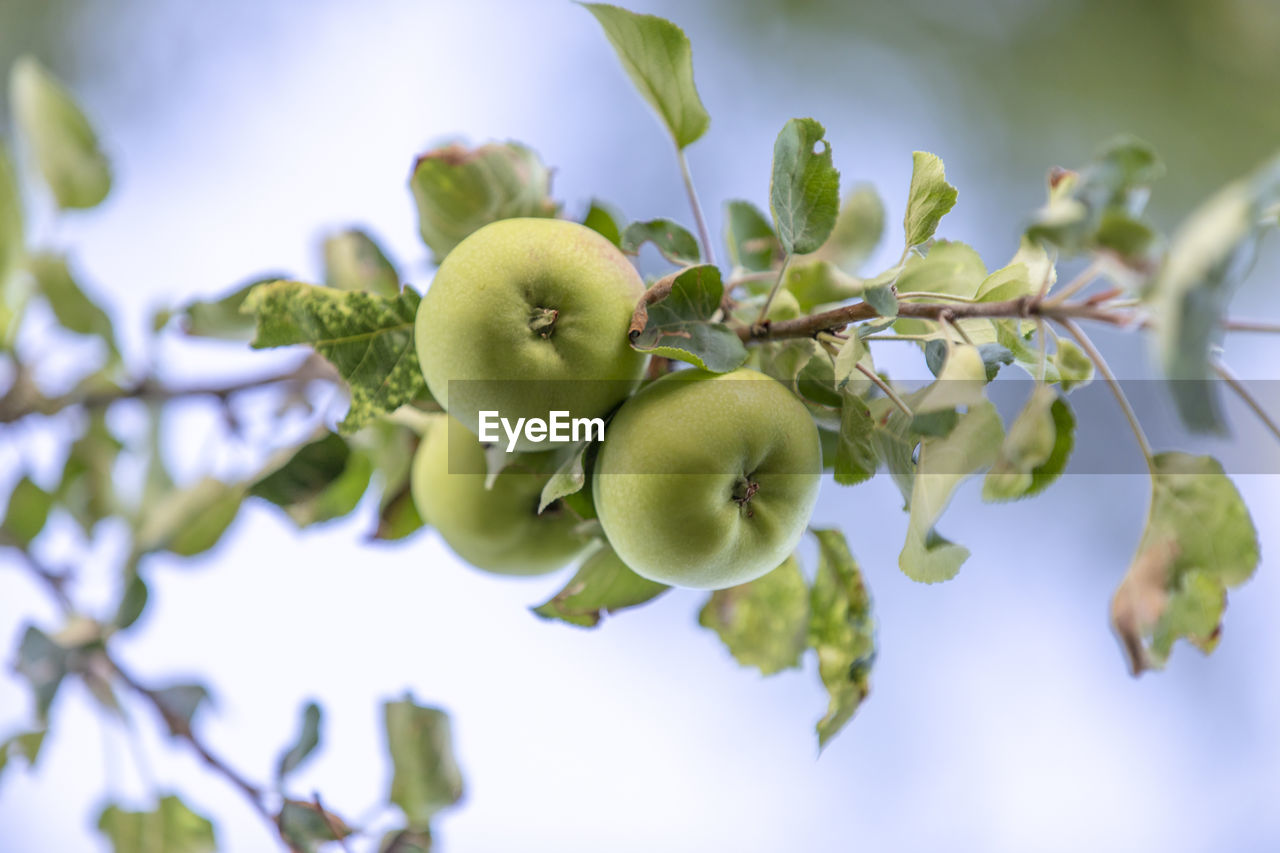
703	480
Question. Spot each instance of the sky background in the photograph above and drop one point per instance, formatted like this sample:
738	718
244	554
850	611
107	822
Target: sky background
1002	717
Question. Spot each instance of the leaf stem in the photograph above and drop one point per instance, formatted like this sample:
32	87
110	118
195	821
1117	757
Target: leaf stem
1086	277
1234	383
941	297
1105	370
886	388
698	218
773	291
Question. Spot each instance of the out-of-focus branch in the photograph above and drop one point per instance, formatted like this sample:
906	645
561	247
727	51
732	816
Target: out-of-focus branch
23	399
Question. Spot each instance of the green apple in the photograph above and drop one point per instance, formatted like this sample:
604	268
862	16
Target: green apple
496	529
707	480
532	316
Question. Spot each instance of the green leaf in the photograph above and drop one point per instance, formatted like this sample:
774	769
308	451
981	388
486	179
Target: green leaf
602	584
171	828
929	199
354	261
753	246
783	360
59	136
857	231
1035	448
368	338
398	516
883	300
191	520
321	481
87	487
677	325
1199	541
657	57
568	479
952	269
856	459
1207	259
406	841
815	283
221	318
303	745
605	221
675	243
763	623
993	357
26	744
179	704
944	463
43	663
841	632
390	448
74	310
1014	335
1073	366
26	514
459	190
961	381
307	827
13	285
425	778
804	190
1030	270
845	364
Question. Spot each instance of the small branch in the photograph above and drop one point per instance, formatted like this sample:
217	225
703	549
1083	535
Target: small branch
1234	383
1251	326
16	405
940	297
947	320
1077	284
745	278
698	218
180	729
1026	307
54	582
1105	370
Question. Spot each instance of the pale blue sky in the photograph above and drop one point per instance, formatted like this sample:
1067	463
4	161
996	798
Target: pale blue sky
1001	719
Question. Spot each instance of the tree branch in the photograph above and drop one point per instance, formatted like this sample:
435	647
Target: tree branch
55	583
1028	307
23	399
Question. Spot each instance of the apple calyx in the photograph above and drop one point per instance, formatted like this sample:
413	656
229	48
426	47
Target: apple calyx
542	321
743	491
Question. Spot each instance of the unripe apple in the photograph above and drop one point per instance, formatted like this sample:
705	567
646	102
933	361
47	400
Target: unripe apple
534	313
496	529
707	480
